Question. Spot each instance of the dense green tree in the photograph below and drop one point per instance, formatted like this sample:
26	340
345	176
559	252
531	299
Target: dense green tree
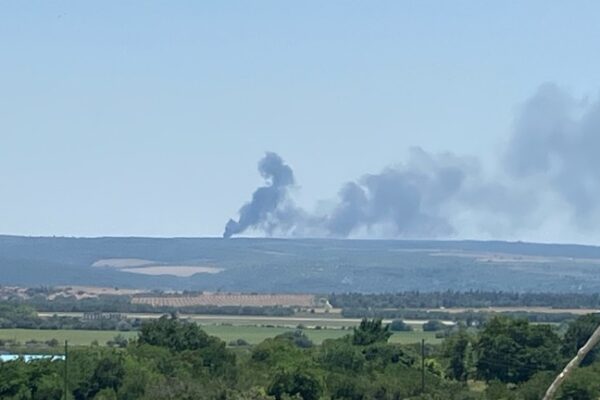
371	331
456	350
347	387
276	352
138	376
296	382
107	372
13	378
536	386
174	334
180	336
341	355
48	387
512	350
383	354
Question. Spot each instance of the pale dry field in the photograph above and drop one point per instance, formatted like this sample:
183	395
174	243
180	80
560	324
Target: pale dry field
229	299
174	270
154	268
81	292
122	262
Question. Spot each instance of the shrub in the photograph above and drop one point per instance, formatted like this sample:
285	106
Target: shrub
398	325
433	325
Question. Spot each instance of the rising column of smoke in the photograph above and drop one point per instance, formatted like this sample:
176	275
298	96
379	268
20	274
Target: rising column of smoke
266	200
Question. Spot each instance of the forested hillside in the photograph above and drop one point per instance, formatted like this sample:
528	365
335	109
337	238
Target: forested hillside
301	266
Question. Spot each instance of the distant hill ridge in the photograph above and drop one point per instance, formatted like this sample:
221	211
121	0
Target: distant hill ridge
302	265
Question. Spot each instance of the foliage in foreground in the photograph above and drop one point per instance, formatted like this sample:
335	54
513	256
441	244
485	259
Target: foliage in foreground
174	359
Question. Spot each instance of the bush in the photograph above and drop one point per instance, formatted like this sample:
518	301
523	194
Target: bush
239	342
118	341
433	325
297	337
497	390
582	385
398	325
298	382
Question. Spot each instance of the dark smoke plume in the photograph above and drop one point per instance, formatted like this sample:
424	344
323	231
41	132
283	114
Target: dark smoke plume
267	199
547	182
408	200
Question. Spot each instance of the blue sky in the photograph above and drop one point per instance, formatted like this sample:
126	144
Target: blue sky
148	118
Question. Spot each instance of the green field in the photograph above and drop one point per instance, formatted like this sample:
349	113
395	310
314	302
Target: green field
252	334
75	337
256	334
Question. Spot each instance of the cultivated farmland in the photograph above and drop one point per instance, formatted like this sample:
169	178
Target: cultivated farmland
228	299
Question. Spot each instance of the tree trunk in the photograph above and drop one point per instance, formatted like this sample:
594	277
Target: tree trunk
589	345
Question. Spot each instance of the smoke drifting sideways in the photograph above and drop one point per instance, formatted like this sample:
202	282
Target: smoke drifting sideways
555	147
406	200
546	179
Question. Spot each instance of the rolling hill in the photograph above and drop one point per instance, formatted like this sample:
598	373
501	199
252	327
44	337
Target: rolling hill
298	265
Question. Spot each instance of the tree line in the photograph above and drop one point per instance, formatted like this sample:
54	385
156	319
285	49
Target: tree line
464	299
123	304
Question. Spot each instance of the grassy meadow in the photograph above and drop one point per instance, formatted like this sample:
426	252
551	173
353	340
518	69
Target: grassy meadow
75	337
251	334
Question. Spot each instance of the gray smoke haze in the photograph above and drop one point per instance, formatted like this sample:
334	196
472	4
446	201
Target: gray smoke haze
266	201
408	200
555	146
547	179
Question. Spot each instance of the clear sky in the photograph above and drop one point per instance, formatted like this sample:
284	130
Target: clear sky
148	118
